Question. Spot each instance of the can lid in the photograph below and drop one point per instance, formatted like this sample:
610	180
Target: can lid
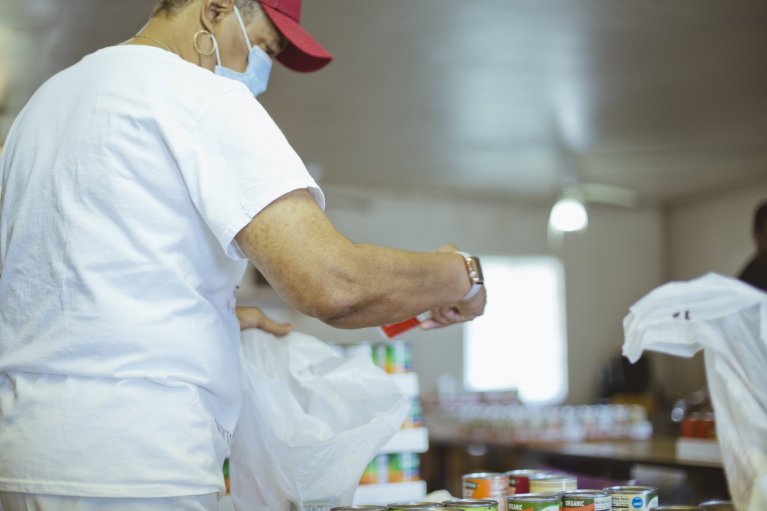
552	477
534	497
484	475
470	503
414	505
630	489
585	493
526	472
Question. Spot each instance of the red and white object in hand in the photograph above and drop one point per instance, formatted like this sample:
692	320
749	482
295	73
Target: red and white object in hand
394	330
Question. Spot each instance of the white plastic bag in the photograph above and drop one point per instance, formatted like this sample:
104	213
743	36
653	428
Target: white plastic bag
311	420
727	319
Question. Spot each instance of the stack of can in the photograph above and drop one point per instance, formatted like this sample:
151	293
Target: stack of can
580	500
392	468
486	485
540	490
394	357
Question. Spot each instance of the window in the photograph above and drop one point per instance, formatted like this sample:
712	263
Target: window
521	341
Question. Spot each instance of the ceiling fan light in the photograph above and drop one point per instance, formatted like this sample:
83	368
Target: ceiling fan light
568	215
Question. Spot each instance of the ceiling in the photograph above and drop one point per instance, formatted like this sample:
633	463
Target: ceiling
497	97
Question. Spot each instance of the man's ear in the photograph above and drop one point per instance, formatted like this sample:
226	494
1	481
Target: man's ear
213	11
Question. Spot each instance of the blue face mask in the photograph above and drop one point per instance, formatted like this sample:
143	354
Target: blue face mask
256	76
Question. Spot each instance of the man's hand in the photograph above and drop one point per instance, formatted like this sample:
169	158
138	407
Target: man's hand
253	317
458	313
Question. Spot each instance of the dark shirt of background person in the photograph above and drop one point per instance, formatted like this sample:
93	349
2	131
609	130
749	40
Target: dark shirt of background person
755	272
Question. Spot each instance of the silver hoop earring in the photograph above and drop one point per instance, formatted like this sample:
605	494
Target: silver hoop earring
197	46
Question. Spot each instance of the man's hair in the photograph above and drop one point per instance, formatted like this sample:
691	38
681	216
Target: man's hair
247	8
760	219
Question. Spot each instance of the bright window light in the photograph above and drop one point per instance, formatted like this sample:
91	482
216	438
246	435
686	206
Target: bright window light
520	342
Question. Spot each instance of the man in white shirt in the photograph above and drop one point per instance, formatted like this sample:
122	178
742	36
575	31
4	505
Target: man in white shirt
137	184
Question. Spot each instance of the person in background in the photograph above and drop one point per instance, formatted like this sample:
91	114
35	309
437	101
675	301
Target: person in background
755	272
136	186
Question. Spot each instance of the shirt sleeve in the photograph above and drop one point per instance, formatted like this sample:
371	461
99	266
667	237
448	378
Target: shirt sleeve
237	163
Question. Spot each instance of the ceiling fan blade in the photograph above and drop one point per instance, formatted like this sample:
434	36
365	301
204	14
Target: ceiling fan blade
609	194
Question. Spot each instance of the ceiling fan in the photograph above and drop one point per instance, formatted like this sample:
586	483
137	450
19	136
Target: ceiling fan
569	213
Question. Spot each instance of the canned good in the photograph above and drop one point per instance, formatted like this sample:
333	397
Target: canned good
414	506
379	355
404	467
633	498
545	483
534	502
377	471
586	500
398	357
718	505
360	508
414	417
519	480
678	508
227	483
485	485
472	504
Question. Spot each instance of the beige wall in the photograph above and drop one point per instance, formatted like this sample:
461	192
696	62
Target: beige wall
608	268
710	234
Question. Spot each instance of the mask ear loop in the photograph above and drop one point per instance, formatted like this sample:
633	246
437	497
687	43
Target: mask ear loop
242	26
214	49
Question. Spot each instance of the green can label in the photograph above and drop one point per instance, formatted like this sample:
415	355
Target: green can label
532	504
586	500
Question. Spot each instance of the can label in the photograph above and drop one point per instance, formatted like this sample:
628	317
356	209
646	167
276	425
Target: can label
414	417
379	355
485	486
634	501
519	480
527	505
398	357
586	503
547	483
377	471
404	467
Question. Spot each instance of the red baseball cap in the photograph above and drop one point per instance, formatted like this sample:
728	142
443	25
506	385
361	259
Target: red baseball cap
302	53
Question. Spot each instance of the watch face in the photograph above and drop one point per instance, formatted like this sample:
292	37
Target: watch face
475	270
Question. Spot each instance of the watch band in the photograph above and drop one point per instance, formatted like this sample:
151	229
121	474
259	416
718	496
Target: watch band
472	292
474	270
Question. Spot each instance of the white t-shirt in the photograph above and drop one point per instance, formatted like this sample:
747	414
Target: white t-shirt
124	180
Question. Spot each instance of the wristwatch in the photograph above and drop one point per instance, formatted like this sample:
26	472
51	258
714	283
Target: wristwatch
474	269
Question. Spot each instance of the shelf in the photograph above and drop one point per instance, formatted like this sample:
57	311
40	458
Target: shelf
698	450
408	440
389	493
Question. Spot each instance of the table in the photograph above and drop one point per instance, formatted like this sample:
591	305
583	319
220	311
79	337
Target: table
596	463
